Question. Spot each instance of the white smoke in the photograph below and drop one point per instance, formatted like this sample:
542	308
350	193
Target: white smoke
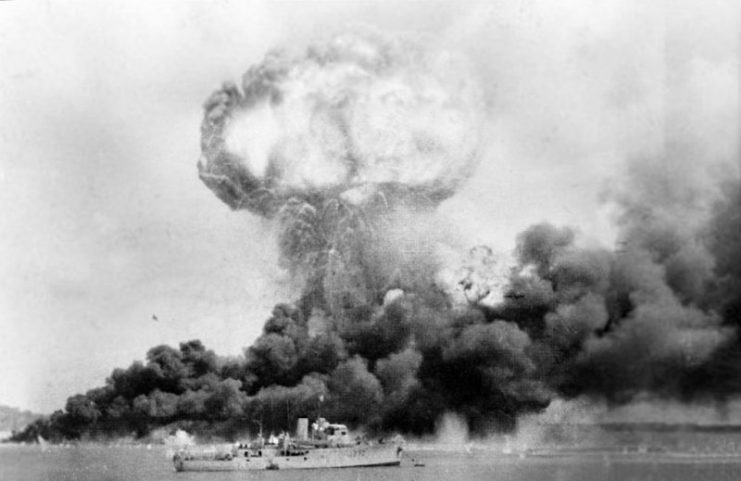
360	109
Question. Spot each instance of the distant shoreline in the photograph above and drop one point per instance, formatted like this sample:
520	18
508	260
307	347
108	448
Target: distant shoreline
648	426
610	426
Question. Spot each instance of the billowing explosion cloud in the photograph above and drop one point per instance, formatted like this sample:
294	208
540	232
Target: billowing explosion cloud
350	147
335	143
358	116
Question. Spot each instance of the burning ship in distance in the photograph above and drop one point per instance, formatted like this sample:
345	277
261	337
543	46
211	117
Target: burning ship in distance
328	446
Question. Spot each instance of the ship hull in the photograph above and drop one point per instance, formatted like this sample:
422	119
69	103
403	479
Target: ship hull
313	458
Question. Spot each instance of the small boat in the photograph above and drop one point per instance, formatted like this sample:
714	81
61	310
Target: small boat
329	446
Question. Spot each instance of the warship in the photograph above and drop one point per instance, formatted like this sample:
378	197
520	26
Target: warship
327	446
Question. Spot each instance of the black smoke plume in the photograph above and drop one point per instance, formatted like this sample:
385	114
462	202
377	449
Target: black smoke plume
307	140
349	147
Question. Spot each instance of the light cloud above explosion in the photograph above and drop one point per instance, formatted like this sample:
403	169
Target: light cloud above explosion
354	115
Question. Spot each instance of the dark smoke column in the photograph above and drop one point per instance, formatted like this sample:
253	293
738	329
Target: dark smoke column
330	141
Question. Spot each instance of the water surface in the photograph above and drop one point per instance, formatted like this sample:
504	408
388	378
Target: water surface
100	463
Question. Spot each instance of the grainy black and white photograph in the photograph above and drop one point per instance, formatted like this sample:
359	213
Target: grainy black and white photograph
414	240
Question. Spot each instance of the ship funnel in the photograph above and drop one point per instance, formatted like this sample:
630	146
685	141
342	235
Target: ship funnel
302	429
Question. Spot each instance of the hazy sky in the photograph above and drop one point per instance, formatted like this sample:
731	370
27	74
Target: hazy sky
104	222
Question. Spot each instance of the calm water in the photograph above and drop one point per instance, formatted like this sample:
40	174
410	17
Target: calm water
101	463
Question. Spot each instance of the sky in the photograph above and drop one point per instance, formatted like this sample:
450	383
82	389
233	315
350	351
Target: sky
105	225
